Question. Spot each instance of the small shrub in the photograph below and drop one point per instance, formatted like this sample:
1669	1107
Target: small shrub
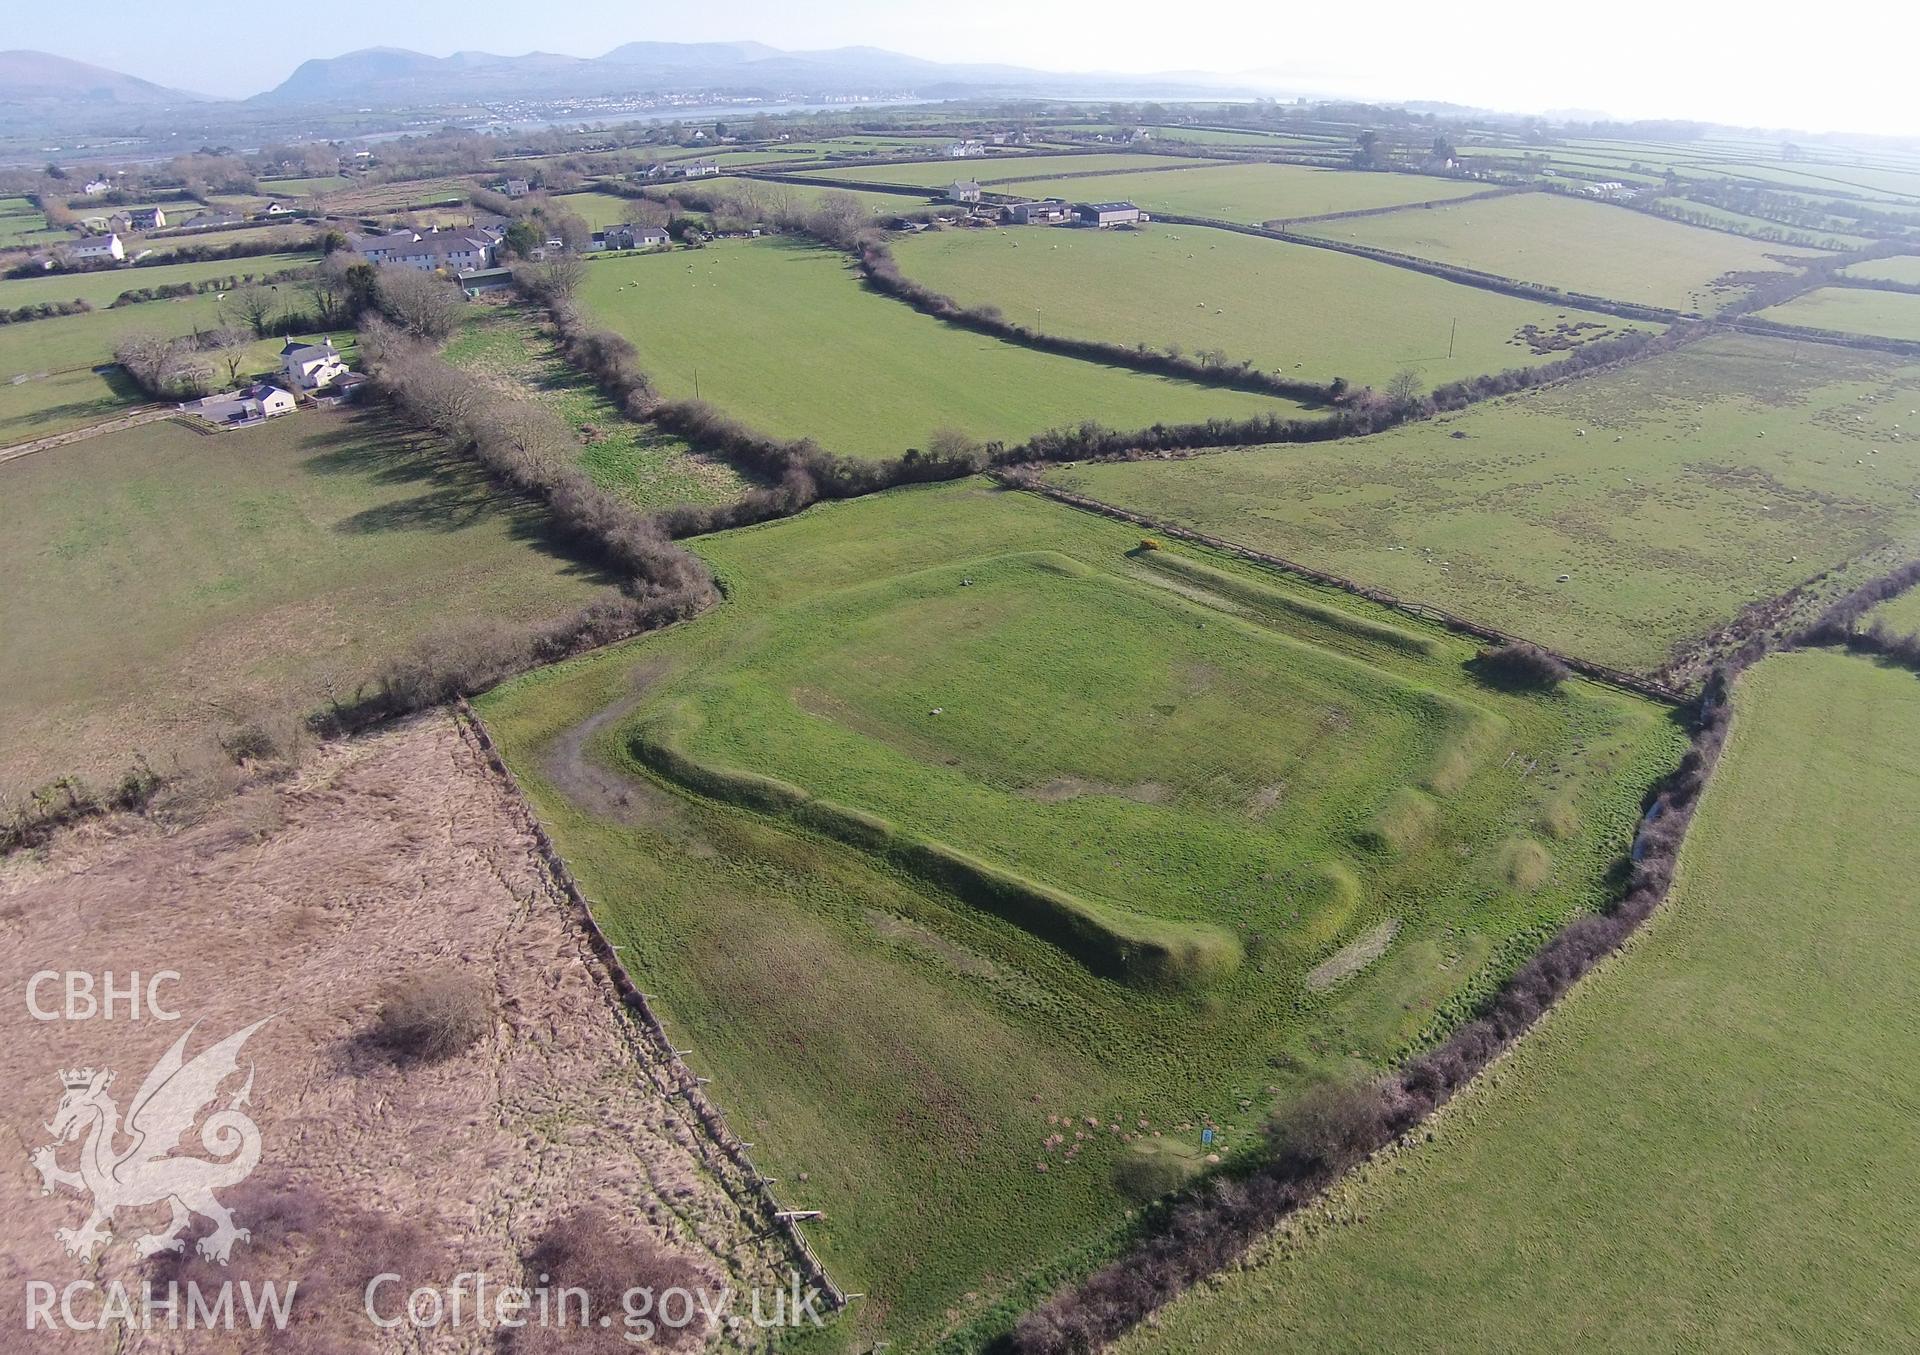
1148	543
1521	666
622	1272
431	1017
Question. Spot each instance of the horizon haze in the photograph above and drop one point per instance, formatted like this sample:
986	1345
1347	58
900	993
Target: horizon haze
1645	61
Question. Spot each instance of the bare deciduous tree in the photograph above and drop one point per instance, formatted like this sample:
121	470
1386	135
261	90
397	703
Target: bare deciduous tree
1405	390
228	345
556	279
253	306
426	305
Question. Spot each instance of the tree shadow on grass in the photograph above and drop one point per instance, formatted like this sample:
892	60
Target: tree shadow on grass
455	493
452	508
375	449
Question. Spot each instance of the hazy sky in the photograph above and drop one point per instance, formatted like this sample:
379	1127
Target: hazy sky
1762	63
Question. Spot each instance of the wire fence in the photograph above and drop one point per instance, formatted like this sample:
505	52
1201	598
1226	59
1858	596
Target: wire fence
722	1149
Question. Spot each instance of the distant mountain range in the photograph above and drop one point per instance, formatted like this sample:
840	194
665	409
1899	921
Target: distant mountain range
40	92
388	74
40	79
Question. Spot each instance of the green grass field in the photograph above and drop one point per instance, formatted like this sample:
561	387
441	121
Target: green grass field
772	196
21	223
291	239
598	210
1669	514
1560	241
1252	193
1849	180
36	403
509	346
1795	237
1215	136
304	188
1305	312
1901	613
1707	1147
159	577
1901	268
962	825
48	381
100	288
783	336
997	169
1852	310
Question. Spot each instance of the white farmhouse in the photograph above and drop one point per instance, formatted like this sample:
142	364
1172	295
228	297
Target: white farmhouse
266	402
458	251
312	366
94	247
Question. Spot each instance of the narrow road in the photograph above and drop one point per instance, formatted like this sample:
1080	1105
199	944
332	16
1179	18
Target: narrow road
142	414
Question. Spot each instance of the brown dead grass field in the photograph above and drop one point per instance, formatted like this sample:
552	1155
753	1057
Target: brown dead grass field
383	859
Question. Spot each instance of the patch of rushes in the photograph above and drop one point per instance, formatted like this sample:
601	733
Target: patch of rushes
511	346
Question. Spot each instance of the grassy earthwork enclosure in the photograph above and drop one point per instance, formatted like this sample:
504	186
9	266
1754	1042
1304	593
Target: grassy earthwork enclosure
1305	312
986	858
784	336
1588	247
161	579
1706	1148
37	404
598	210
1670	493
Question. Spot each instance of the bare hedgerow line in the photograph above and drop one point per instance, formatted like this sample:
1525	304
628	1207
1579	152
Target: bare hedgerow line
799	472
1840	623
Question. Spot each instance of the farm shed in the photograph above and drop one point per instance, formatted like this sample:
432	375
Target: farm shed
1104	214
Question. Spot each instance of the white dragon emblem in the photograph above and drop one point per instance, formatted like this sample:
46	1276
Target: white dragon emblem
145	1172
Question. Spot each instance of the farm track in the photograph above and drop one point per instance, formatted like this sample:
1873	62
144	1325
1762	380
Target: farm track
142	415
588	784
